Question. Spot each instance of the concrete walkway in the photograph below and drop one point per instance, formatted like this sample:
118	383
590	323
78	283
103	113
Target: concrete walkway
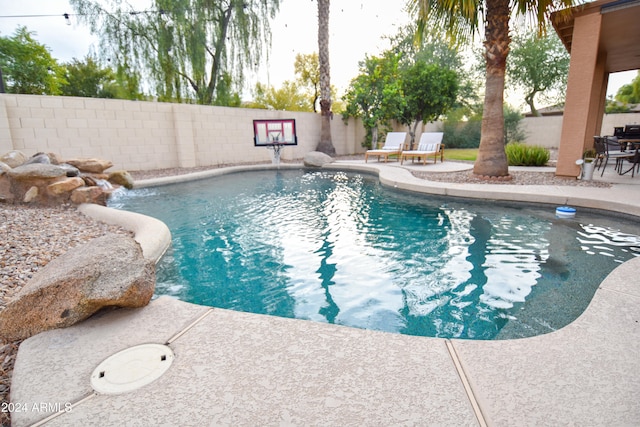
232	368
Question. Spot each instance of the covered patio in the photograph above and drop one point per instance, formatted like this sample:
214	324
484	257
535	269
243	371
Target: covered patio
603	37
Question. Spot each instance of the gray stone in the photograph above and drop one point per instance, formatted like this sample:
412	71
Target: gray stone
317	159
4	168
36	171
13	158
71	170
108	271
39	158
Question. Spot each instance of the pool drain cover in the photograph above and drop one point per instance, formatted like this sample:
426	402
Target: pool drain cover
131	368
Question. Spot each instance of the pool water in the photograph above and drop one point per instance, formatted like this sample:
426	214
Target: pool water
340	248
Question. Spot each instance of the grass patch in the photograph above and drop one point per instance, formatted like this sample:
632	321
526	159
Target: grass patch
468	154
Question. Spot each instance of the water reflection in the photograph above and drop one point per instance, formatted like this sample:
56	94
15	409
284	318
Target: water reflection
339	248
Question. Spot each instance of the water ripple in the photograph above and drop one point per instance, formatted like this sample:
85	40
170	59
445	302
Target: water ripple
339	248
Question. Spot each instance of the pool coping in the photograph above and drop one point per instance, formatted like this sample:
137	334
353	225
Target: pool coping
586	373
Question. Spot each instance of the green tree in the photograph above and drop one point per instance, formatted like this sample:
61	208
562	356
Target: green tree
307	68
225	94
375	95
326	143
612	106
286	98
461	127
429	91
629	93
538	65
461	20
184	48
87	78
432	48
512	121
27	65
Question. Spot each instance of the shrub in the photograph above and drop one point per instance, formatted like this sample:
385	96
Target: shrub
462	134
512	121
520	154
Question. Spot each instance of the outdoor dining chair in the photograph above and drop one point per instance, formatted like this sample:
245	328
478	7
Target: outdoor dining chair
607	147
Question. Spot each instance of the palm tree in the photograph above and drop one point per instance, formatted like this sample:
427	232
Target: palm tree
325	145
460	18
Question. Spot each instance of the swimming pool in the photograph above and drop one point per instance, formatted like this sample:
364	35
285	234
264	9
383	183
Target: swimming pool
340	248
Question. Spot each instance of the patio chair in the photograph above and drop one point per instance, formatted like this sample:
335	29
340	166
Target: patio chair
430	145
393	145
607	147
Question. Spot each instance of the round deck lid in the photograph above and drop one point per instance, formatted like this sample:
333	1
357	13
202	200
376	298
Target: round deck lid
131	368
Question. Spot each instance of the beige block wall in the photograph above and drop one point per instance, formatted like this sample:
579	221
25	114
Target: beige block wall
138	135
542	131
546	131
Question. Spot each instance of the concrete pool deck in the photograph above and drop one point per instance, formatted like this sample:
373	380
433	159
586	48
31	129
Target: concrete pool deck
235	368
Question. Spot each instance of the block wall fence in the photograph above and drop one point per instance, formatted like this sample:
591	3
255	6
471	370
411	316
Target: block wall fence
137	135
545	131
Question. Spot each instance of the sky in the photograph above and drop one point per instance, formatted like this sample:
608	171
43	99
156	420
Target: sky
357	28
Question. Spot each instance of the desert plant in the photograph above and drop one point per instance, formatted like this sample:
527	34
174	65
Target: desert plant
520	154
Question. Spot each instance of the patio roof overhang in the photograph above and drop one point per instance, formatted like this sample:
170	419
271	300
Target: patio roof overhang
619	33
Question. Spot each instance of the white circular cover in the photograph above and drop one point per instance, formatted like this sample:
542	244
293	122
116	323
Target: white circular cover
131	368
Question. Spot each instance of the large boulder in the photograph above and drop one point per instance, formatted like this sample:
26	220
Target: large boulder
94	195
316	159
65	186
13	158
90	165
5	183
105	272
123	178
35	171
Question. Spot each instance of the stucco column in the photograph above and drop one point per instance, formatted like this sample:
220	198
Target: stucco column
6	142
185	145
586	91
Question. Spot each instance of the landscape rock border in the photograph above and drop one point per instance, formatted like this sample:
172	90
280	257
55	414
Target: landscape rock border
44	179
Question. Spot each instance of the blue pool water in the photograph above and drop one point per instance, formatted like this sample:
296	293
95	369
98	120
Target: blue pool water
340	248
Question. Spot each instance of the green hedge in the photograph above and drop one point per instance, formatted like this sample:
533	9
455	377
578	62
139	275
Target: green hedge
520	154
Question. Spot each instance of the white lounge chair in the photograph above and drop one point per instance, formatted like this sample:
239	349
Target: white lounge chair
430	145
393	145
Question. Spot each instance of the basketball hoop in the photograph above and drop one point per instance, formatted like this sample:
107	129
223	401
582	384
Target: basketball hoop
274	134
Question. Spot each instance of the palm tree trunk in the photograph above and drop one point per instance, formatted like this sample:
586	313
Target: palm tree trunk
326	144
492	159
